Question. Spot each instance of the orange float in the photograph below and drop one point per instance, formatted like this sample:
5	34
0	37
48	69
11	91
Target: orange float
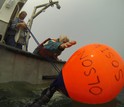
94	74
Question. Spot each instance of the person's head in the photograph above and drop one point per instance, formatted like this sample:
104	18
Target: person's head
63	39
22	15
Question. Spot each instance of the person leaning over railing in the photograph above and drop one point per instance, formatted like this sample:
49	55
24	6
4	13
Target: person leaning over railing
52	48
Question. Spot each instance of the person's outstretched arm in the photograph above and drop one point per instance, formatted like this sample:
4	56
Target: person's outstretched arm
67	44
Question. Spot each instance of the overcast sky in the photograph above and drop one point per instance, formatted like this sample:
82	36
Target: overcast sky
86	21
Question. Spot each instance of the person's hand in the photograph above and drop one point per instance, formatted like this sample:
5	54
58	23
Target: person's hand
22	25
68	44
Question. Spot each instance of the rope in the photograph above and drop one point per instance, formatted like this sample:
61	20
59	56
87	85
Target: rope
53	64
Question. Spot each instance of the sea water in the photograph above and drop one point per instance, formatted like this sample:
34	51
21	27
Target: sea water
19	94
63	101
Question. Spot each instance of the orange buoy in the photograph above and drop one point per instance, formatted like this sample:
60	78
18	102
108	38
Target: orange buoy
94	74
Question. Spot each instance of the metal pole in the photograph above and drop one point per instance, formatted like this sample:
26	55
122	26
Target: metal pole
33	36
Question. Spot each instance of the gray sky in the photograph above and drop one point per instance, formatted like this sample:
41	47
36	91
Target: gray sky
86	21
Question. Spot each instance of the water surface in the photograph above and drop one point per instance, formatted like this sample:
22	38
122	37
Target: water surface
19	94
